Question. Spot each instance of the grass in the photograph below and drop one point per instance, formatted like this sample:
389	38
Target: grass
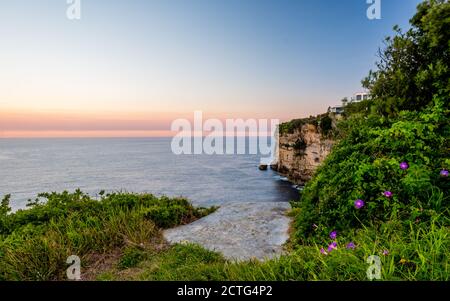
35	243
119	238
414	254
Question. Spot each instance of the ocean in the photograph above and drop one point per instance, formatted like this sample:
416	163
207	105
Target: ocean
32	166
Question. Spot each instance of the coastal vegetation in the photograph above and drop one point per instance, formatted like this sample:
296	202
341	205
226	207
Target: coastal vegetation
323	122
35	243
383	191
388	174
118	238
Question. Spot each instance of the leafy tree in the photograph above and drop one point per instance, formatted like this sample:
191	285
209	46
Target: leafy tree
414	65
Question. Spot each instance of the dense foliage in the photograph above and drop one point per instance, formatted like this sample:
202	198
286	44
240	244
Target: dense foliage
414	67
406	121
35	243
366	163
323	122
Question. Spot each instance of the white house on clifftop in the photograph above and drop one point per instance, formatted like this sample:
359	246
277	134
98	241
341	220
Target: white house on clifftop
357	97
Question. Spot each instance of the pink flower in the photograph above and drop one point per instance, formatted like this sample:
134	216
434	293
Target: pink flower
323	251
385	252
388	194
332	246
404	165
359	204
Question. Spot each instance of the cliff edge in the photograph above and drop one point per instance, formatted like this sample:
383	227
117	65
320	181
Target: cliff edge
303	146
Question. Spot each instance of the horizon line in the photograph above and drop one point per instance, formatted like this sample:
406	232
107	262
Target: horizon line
136	134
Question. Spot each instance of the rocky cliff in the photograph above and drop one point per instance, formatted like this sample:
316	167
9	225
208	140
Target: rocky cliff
303	145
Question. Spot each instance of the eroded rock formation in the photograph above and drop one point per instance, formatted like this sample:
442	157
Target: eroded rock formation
303	145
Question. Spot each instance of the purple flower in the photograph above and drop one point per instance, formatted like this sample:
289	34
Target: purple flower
388	194
323	251
444	173
333	235
359	204
351	245
385	252
404	165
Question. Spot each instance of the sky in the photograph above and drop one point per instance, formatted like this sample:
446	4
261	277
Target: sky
129	68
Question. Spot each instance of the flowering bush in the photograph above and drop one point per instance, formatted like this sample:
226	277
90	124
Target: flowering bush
381	169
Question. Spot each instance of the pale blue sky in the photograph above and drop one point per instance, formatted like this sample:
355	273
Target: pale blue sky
280	58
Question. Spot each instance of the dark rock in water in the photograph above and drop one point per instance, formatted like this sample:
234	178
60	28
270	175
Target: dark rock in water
262	167
274	167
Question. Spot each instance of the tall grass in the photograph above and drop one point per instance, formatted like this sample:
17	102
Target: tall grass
35	243
419	252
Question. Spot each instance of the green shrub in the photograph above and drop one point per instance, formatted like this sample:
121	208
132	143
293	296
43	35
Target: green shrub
326	124
414	66
296	124
169	213
35	243
406	120
365	163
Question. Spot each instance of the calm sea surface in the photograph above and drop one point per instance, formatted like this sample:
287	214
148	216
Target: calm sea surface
31	166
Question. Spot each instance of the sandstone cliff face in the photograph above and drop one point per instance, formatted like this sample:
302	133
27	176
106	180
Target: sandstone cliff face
301	152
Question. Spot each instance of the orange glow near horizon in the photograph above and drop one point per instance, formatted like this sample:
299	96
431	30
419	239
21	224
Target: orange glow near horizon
84	134
35	124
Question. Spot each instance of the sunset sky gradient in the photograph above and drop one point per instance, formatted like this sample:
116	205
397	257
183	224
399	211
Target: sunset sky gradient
129	68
